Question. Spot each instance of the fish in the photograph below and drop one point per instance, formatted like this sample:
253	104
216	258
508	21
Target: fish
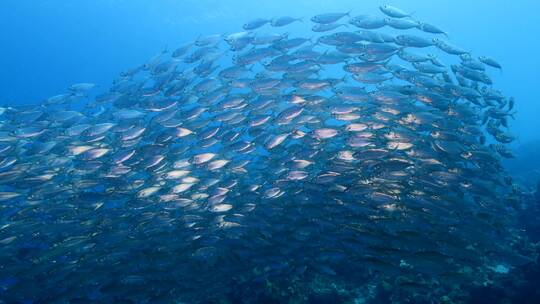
255	24
430	28
490	62
414	41
402	24
182	50
328	18
449	48
276	140
82	87
367	22
393	11
283	21
210	40
252	163
325	133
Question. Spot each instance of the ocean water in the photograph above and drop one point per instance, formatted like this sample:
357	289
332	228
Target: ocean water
309	217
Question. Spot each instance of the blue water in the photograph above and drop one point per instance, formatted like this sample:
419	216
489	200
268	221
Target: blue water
46	46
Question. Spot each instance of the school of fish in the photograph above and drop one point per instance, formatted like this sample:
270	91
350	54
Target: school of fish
367	154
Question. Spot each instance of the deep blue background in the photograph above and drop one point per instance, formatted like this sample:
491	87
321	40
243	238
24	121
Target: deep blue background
47	45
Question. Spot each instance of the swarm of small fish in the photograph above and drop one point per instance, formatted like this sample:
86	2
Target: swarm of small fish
366	152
